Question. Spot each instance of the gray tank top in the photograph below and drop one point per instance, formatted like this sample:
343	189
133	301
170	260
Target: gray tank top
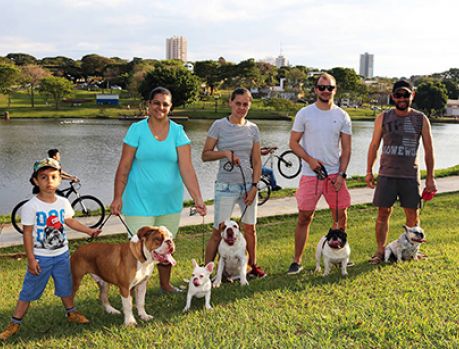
399	152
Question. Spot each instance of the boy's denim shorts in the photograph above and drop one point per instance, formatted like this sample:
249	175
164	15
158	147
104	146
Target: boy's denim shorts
226	196
58	268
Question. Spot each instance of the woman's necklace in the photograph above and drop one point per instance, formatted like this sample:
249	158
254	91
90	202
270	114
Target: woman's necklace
159	132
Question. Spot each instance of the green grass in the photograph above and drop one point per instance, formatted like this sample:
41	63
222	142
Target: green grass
409	305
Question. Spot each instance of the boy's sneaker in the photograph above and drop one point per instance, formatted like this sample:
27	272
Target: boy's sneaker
11	329
77	317
257	272
294	268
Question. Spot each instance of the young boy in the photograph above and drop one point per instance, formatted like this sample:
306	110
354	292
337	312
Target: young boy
46	245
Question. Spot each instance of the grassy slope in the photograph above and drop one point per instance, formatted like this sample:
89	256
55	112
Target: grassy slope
411	305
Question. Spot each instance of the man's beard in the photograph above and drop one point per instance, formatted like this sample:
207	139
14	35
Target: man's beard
324	100
404	108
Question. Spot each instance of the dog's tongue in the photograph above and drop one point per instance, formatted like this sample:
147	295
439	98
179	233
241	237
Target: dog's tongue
170	259
163	258
334	244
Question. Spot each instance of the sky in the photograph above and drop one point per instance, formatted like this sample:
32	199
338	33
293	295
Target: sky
410	37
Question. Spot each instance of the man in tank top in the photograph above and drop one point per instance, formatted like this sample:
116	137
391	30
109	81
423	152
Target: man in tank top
400	128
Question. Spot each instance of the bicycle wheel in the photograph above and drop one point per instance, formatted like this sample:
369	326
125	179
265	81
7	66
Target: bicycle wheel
89	210
16	216
289	164
264	191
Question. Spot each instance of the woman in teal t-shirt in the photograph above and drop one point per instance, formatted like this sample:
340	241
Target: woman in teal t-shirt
155	163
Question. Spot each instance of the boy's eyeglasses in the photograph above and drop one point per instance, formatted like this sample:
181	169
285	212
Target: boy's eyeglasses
322	88
402	95
161	104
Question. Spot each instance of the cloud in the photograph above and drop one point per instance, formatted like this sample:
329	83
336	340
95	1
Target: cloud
17	44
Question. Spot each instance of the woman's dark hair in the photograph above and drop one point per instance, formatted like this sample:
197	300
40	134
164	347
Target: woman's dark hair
52	152
159	90
240	91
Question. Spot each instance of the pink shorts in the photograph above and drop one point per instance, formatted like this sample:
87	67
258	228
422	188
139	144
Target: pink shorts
311	189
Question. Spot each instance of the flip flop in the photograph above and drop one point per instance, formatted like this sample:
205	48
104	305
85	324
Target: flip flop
375	260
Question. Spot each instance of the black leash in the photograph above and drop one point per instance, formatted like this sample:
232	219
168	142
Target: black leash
105	221
229	166
193	212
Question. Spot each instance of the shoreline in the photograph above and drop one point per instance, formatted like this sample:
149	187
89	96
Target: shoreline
185	117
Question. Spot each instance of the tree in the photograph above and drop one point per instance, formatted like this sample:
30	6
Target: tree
31	75
63	67
431	96
295	78
94	65
347	80
248	73
9	76
182	83
209	72
56	88
138	68
452	88
21	58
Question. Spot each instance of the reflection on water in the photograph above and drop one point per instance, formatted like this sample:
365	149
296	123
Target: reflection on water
91	150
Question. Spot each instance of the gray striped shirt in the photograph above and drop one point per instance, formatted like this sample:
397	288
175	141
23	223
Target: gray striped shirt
240	139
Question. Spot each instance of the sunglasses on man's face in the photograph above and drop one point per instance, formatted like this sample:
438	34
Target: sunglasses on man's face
322	88
405	94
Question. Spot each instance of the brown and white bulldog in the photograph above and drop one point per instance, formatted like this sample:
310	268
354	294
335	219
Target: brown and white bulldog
232	262
128	266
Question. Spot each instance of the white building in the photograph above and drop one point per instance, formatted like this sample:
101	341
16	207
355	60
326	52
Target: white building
366	65
452	108
281	61
176	48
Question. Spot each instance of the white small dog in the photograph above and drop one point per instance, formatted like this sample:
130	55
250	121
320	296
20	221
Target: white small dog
233	260
406	246
335	250
200	285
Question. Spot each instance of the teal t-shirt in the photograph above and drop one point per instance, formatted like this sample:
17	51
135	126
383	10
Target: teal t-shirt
154	186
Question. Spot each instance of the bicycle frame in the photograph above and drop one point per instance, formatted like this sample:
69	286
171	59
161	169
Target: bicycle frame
270	160
72	188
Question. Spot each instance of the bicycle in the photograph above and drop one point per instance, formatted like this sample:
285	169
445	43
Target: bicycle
88	209
288	164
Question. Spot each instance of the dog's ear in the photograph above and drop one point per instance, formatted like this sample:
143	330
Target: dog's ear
144	231
329	235
210	266
195	264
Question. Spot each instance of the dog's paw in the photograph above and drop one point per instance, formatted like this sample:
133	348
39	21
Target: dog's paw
216	284
185	310
244	283
109	309
344	273
145	317
318	269
130	323
208	307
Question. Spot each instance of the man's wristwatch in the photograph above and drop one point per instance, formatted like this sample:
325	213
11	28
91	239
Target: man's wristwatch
342	174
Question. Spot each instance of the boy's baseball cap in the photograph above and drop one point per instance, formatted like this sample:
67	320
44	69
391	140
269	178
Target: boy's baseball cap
48	162
403	84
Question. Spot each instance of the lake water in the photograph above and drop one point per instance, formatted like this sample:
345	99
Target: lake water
91	150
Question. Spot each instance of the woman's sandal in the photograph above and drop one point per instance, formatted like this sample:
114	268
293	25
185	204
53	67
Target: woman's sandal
376	259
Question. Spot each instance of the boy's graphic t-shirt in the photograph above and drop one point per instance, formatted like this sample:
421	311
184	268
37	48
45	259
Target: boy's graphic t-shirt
49	235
